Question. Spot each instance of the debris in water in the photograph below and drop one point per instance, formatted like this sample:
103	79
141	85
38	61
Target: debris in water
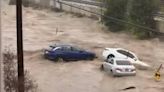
128	88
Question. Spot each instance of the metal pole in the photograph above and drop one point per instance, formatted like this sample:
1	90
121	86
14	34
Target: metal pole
1	72
20	46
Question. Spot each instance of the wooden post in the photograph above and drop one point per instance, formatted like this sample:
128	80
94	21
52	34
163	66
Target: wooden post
1	62
20	46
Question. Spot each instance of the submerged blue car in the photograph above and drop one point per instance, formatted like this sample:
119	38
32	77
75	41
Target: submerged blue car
67	53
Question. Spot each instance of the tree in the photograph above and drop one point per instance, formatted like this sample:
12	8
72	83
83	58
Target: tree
25	3
116	9
128	12
142	13
12	2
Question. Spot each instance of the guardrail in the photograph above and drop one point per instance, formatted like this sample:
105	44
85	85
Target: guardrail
94	3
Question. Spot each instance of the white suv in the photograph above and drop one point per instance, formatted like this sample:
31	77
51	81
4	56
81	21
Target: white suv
119	67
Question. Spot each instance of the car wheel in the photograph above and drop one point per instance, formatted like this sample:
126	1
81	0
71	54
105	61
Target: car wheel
59	59
102	67
110	56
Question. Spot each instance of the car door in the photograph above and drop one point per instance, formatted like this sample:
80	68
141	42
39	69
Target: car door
77	54
73	54
82	55
109	64
53	53
67	53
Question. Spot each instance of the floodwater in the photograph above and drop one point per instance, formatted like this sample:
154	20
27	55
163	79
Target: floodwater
43	27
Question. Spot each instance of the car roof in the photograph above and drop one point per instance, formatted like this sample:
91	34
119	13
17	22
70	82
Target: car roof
115	48
61	45
120	59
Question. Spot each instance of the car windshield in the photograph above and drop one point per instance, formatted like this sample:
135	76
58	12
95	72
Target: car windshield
50	48
122	62
53	49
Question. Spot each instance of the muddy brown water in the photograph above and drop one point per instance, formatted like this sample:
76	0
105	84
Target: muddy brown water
83	76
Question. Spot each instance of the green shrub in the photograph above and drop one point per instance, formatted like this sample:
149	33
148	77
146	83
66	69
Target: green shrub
115	9
25	3
142	13
136	12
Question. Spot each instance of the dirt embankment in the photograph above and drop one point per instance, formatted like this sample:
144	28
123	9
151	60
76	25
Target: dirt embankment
43	27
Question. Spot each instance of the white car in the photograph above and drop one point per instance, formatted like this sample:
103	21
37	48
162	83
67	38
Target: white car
123	54
119	67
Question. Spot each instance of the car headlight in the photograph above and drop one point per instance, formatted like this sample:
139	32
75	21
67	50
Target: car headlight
46	52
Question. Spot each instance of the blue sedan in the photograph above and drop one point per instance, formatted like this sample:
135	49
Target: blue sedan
67	53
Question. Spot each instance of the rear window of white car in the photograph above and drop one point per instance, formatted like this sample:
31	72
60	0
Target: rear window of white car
121	62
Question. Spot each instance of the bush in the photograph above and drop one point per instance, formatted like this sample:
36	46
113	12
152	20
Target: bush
25	3
12	2
138	12
115	9
142	13
10	75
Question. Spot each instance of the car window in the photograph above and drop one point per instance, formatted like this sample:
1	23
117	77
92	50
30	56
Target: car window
126	53
74	49
110	61
130	55
66	48
121	62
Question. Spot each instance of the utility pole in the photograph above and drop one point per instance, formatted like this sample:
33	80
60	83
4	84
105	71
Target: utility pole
1	70
20	46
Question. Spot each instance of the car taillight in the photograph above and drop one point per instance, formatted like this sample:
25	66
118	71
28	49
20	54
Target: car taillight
119	69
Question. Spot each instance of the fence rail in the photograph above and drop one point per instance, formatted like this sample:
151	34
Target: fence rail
94	3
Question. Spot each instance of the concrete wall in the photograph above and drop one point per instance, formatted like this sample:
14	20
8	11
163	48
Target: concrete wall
55	4
41	3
